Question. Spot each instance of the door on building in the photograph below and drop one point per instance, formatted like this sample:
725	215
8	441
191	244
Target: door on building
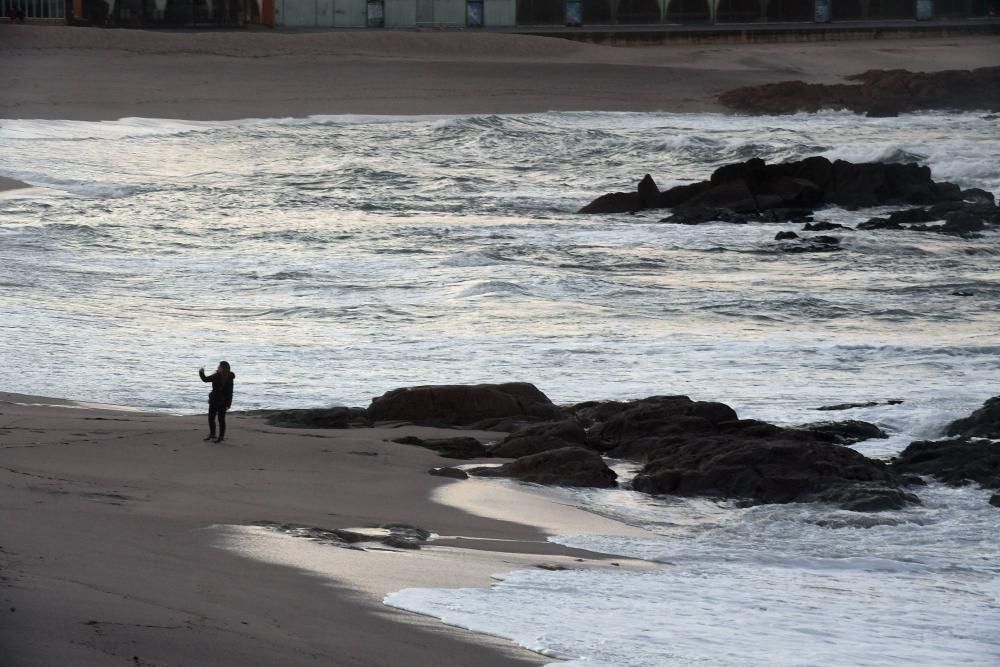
425	12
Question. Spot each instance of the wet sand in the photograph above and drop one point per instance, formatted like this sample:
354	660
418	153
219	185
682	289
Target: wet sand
126	536
58	72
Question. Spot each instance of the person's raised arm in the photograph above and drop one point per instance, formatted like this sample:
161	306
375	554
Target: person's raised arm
204	378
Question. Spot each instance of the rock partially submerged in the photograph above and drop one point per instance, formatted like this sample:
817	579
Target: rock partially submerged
449	448
568	466
773	470
866	404
957	462
983	423
703	448
847	432
395	535
754	191
877	93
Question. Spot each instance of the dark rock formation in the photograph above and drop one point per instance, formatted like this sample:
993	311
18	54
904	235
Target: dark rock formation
959	218
649	193
823	227
625	429
809	245
772	470
956	462
614	202
464	405
983	423
995	500
754	191
337	417
978	196
846	432
453	473
569	466
882	93
540	438
400	536
449	448
867	404
703	448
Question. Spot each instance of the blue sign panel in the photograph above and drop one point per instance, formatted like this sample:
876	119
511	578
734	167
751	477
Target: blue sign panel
822	11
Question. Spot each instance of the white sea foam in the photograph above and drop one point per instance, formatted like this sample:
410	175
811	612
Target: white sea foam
334	257
490	288
768	585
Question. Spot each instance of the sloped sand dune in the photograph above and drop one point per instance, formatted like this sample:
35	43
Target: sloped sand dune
93	74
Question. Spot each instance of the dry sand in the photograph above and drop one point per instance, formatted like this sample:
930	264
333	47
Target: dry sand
125	535
58	72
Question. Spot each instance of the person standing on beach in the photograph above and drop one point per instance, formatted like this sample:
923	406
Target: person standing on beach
220	398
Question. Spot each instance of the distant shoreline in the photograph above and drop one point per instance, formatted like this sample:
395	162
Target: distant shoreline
58	72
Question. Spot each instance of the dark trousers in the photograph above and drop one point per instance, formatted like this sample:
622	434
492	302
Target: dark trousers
220	412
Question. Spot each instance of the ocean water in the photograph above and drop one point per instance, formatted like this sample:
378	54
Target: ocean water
331	259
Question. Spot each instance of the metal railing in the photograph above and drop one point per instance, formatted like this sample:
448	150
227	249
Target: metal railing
35	9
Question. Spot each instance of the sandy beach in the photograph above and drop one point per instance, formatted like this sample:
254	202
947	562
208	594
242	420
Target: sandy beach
57	72
121	543
129	540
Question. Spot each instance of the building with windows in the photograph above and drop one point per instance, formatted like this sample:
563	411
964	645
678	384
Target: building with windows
482	13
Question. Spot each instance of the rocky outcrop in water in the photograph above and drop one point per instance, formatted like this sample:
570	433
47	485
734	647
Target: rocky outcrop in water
971	455
878	93
983	423
957	462
568	466
866	404
755	191
847	432
742	464
703	448
473	406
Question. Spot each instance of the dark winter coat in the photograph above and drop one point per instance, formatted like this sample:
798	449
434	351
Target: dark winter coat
221	395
